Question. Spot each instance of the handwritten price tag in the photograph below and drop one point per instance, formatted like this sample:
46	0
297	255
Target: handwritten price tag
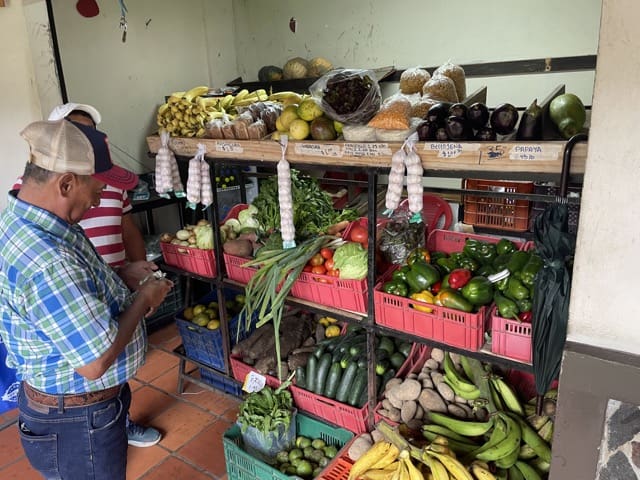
318	150
366	149
229	147
535	151
254	382
451	149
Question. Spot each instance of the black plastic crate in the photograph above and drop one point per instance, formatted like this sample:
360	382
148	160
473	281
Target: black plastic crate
552	189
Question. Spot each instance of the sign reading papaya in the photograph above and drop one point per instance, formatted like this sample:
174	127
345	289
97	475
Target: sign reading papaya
535	151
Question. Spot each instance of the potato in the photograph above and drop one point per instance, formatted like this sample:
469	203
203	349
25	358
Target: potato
414	424
166	237
437	377
386	404
238	248
456	410
393	399
408	390
377	436
431	401
427	383
437	354
432	364
394	415
183	234
445	391
408	411
393	382
359	447
419	412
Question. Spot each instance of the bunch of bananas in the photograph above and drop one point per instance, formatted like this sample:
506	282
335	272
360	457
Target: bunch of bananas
186	114
384	461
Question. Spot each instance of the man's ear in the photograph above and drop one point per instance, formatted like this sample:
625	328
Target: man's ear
66	183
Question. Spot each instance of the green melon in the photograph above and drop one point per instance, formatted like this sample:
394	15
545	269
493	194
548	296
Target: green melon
568	113
270	73
297	67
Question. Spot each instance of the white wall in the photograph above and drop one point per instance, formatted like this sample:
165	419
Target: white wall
377	33
604	301
20	104
170	46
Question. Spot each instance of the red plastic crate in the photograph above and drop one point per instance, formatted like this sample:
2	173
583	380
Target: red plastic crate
240	370
510	338
190	259
346	416
233	263
340	466
501	213
448	242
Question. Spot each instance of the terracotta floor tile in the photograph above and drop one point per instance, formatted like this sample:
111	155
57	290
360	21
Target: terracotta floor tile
164	335
175	468
181	423
157	363
11	446
141	460
135	384
148	403
217	402
8	416
168	381
206	450
20	470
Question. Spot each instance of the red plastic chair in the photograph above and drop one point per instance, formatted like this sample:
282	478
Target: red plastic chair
436	212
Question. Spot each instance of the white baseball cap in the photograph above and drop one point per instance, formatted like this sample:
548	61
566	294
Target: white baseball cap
61	111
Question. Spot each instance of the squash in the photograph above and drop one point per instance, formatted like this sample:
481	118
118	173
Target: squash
318	66
297	67
270	73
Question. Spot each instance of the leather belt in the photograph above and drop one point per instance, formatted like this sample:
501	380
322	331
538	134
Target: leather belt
73	400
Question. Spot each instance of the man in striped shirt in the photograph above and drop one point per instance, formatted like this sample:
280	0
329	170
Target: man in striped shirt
114	235
72	326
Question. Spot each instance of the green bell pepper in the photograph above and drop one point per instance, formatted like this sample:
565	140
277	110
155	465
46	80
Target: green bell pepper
531	269
468	263
450	298
501	284
516	289
501	261
505	246
517	261
436	255
421	276
524	305
486	270
400	274
479	291
483	252
445	282
507	308
396	287
446	264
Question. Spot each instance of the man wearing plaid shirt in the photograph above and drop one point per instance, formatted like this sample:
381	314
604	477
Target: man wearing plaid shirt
71	325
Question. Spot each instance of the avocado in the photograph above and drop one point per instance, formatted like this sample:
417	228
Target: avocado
568	113
322	129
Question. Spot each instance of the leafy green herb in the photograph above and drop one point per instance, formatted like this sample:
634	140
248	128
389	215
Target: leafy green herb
267	409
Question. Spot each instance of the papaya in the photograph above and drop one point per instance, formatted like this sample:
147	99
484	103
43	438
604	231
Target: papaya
567	112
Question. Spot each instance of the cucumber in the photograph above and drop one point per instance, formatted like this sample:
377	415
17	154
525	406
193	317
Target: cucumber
345	382
358	348
333	380
301	377
359	384
387	345
382	366
312	368
383	379
323	370
405	348
397	359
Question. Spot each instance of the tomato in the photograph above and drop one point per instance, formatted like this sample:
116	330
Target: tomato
319	270
307	268
326	253
359	234
333	273
328	264
316	260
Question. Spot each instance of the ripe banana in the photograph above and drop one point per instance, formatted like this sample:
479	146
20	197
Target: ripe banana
546	432
461	427
438	470
381	474
412	470
509	397
480	470
527	471
533	439
505	447
379	456
195	92
456	469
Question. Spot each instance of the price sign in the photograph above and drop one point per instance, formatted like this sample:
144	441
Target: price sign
451	149
254	382
535	151
318	150
366	149
229	147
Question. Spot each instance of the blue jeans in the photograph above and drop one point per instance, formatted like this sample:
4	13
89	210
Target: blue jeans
77	443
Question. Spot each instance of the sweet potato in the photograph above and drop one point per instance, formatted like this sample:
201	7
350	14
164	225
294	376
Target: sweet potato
238	247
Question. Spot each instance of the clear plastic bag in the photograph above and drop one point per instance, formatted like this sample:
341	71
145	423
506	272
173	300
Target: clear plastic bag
398	237
348	95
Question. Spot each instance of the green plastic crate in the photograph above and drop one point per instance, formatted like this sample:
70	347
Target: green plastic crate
242	466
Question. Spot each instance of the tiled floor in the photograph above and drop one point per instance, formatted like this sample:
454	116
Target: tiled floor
193	423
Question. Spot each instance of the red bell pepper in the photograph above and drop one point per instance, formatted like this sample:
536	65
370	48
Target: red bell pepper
525	316
435	288
459	278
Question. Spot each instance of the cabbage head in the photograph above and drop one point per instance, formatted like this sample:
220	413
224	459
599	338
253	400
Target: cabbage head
204	237
351	260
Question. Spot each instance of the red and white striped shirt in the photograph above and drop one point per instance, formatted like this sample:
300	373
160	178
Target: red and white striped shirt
103	224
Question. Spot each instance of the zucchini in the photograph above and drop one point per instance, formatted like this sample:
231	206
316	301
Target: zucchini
358	348
359	384
323	370
345	382
301	377
382	366
387	345
333	380
405	348
312	368
383	379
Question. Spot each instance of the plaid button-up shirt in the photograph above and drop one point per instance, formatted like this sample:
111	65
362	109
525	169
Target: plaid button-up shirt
59	303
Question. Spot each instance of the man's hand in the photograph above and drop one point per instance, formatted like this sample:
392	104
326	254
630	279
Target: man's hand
154	291
133	273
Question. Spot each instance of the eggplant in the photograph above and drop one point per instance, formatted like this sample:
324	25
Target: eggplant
427	130
486	134
530	127
458	128
438	112
478	115
458	110
441	134
504	118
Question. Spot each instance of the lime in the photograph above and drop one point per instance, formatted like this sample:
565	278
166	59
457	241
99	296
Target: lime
330	451
295	454
197	309
303	442
316	471
304	468
299	129
324	461
308	452
338	126
201	319
282	457
318	443
211	313
213	324
188	313
309	109
288	115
